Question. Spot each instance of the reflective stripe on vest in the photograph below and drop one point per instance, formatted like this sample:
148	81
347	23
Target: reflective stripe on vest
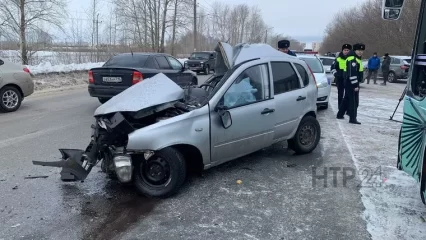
361	67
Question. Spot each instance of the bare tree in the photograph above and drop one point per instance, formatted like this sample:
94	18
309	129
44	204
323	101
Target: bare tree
20	16
364	24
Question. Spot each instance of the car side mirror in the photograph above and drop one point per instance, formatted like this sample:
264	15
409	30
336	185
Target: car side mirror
391	9
225	116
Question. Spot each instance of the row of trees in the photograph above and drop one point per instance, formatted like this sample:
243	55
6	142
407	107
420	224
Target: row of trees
141	25
364	24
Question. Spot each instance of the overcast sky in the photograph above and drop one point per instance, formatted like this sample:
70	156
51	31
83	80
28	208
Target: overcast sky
304	20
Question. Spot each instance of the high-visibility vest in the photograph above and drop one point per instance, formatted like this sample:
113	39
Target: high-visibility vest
350	58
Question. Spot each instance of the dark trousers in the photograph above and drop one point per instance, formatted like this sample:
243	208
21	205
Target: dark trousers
350	104
374	72
340	90
385	75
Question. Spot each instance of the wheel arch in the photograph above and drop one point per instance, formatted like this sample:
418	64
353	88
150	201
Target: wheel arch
15	86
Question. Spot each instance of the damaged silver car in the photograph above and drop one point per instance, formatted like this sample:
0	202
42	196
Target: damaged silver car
151	133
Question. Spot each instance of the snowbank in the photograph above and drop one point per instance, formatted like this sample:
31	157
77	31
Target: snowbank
47	67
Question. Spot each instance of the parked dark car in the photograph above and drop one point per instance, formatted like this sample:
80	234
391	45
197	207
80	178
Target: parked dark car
201	61
124	70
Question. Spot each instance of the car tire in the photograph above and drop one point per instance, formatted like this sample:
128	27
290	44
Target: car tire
297	142
207	70
13	92
103	100
391	76
169	160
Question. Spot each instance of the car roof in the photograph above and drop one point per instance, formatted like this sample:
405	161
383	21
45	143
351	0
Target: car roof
402	57
141	54
326	57
307	56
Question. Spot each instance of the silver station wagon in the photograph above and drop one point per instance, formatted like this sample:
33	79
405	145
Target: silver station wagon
154	132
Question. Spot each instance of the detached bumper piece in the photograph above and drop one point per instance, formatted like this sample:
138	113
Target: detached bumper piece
76	164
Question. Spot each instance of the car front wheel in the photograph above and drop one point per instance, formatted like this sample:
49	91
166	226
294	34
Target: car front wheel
161	175
10	99
307	136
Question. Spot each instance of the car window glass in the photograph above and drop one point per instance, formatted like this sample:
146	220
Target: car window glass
396	61
1	62
285	78
151	63
327	61
162	62
303	74
176	65
251	86
127	60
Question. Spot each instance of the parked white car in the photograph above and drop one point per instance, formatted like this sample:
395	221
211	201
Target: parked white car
323	83
327	62
15	85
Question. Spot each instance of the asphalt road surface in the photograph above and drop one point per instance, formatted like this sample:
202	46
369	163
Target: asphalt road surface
277	198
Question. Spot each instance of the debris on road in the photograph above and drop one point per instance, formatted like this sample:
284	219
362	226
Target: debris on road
16	225
34	177
239	181
15	187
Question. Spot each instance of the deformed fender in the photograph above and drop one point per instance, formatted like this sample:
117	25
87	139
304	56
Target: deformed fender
192	128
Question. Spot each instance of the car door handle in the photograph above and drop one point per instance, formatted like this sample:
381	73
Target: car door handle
267	110
300	98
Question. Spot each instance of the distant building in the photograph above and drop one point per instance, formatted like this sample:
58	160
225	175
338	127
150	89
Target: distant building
316	46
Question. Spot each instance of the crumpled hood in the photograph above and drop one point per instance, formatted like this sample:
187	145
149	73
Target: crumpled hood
153	91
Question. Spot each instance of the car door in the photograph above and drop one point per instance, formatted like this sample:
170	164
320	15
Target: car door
252	110
182	78
290	97
166	68
396	66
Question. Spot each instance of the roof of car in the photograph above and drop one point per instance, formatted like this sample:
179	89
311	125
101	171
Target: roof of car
403	57
141	54
326	57
307	56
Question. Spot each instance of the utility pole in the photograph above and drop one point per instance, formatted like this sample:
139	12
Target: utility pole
195	25
266	36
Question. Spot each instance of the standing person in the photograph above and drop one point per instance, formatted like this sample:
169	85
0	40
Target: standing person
385	68
353	74
373	67
337	70
283	46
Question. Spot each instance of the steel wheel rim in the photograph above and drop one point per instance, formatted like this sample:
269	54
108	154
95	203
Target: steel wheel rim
307	135
155	172
10	99
390	77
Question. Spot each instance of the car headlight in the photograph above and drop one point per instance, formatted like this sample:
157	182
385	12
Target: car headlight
322	84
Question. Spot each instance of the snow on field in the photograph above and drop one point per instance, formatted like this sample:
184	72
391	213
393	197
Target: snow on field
393	208
47	67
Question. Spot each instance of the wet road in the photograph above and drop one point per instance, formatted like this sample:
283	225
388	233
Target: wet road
276	200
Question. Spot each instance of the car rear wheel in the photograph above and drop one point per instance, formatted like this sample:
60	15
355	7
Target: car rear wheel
161	175
10	99
391	77
307	136
103	100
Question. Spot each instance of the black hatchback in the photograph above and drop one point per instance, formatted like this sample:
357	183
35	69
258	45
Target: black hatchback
124	70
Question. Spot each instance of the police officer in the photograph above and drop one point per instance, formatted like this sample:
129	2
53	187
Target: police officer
337	70
353	75
283	46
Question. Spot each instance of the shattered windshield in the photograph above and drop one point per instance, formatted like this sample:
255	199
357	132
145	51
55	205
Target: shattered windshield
199	56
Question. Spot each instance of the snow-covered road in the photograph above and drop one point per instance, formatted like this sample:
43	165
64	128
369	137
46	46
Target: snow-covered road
393	208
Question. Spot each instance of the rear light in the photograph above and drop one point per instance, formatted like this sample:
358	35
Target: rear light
26	70
403	67
137	77
91	80
313	75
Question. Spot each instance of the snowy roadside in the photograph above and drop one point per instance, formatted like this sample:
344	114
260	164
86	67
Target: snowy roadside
393	208
47	76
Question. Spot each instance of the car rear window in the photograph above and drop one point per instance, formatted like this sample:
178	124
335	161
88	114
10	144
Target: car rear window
128	60
408	60
314	64
327	61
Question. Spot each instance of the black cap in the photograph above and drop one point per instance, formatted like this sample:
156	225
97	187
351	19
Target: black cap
386	54
346	46
359	46
284	44
375	53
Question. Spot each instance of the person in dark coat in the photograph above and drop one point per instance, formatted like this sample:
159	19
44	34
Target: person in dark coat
353	74
385	68
283	46
337	68
373	67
